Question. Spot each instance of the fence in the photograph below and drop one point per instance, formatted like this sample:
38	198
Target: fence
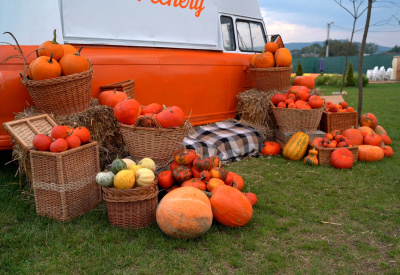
335	65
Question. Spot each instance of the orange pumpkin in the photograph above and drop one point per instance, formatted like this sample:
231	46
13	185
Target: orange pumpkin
184	213
264	60
213	182
111	97
283	58
271	148
59	145
387	151
251	197
380	130
386	139
69	49
373	139
237	182
83	134
152	108
74	63
304	80
127	111
365	130
370	153
230	206
354	135
271	47
219	172
301	92
369	120
45	68
196	183
48	47
315	101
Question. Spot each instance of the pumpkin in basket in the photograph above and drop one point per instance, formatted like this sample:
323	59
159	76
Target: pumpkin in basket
264	60
124	179
152	108
45	67
74	63
170	117
283	58
184	213
49	47
69	49
144	176
111	97
127	111
42	142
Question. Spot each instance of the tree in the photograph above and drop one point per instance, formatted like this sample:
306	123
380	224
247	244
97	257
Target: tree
395	49
299	68
356	13
370	48
350	76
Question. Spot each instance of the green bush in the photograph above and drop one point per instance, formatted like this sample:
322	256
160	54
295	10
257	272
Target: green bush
349	78
336	80
299	68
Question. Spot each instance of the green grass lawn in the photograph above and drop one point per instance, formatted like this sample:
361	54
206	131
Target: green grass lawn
308	220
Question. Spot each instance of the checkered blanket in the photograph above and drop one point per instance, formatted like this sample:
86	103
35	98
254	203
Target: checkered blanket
229	140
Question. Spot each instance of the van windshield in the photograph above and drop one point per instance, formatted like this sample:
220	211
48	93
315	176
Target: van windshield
251	37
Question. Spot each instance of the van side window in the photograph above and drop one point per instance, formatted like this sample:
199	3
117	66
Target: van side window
228	38
250	35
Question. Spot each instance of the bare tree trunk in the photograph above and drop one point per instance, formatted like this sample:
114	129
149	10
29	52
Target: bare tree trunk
361	59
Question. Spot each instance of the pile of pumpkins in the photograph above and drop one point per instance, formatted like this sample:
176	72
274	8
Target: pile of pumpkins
198	191
273	56
370	138
297	97
61	138
54	60
127	174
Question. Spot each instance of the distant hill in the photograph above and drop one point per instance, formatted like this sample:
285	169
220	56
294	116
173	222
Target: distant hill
300	45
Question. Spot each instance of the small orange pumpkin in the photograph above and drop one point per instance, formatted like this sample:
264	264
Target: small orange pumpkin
45	68
127	111
111	97
264	60
74	63
271	47
48	47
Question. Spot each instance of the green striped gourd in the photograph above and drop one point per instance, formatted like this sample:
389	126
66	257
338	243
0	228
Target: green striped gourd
296	146
118	165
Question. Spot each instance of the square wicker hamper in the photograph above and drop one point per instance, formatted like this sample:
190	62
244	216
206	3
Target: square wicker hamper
64	183
324	154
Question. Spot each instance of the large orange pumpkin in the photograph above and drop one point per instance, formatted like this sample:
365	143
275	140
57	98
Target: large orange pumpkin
283	58
127	111
304	80
230	206
170	117
354	135
45	67
264	60
370	153
184	213
111	97
74	63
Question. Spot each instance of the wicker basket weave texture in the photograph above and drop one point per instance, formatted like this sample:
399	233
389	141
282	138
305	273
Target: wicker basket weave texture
295	120
324	154
272	79
338	121
127	86
132	208
158	143
64	184
62	95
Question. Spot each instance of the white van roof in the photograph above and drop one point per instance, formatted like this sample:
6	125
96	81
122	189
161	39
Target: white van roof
190	24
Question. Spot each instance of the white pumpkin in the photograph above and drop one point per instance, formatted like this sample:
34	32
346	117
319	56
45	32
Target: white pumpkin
105	178
148	163
144	176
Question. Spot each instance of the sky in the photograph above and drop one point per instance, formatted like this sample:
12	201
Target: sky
307	21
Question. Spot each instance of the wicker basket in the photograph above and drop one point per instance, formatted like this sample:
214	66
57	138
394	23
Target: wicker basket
338	121
272	79
131	208
127	86
324	154
62	95
64	184
295	120
157	143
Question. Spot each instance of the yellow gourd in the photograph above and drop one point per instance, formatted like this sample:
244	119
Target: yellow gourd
144	176
134	167
124	179
312	158
296	146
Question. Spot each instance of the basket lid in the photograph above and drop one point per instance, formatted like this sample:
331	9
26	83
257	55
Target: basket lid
335	99
25	129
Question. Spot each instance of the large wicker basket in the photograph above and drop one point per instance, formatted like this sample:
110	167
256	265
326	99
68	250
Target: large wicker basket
272	79
131	208
157	143
127	86
295	120
324	154
64	184
62	95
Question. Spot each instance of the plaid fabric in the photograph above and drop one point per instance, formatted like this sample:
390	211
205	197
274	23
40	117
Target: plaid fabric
229	140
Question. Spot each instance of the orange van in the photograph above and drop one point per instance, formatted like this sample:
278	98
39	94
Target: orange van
187	53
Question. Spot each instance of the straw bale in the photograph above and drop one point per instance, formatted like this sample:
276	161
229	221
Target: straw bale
254	110
101	123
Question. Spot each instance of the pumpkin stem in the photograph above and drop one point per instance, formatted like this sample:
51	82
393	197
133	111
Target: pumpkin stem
54	41
115	89
209	194
164	107
51	58
78	53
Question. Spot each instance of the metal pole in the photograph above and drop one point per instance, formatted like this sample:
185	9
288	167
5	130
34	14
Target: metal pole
327	40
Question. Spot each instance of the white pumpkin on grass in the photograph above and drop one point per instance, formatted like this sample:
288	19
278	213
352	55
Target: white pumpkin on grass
144	176
148	163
